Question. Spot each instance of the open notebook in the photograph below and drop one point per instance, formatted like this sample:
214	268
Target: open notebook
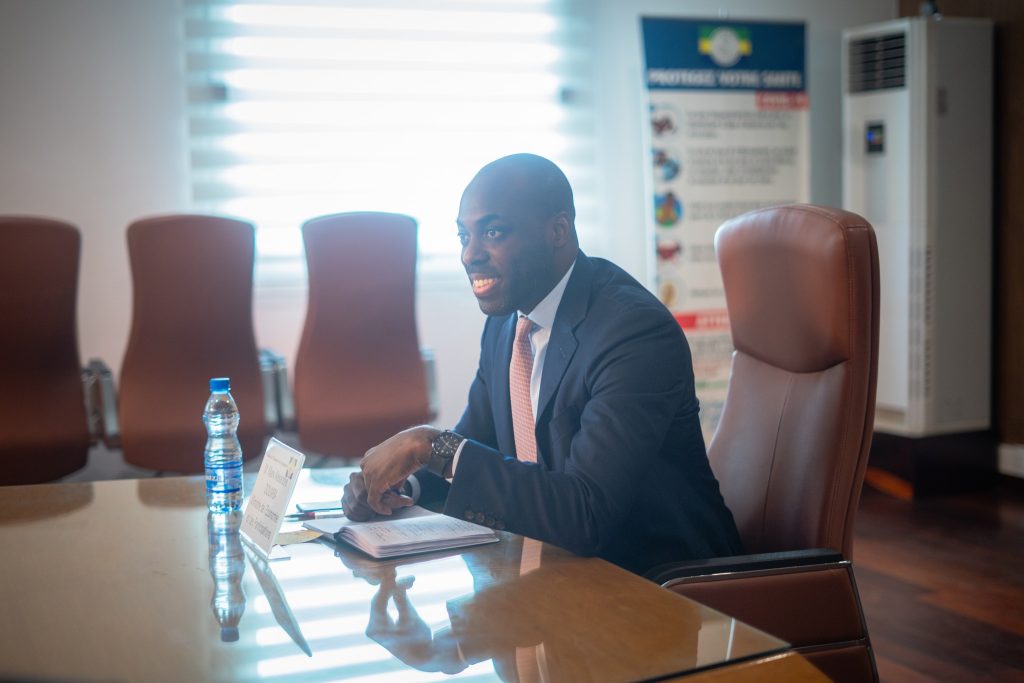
410	531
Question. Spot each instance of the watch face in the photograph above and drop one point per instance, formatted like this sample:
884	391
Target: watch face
449	440
442	451
439	445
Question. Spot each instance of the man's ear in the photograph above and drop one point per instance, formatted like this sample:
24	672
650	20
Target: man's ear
561	229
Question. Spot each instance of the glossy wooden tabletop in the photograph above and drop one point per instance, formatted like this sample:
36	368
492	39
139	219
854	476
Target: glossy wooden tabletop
132	581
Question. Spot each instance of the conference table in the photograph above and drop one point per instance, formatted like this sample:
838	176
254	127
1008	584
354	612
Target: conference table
132	580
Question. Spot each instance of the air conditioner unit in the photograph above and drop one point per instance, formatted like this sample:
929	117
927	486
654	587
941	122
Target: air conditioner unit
917	163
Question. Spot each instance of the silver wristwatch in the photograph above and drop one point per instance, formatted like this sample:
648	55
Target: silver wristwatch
442	451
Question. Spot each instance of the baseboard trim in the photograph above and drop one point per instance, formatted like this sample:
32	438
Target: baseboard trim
911	468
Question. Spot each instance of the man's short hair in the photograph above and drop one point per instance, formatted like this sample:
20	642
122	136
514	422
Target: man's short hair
543	179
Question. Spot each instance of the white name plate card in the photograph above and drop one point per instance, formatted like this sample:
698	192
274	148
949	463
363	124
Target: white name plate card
275	483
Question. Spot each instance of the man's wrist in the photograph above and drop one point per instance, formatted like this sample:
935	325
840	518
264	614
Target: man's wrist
443	448
421	439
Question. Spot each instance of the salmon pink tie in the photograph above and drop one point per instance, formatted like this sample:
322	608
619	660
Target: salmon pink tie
519	372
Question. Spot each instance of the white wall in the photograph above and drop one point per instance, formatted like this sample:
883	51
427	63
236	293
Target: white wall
92	130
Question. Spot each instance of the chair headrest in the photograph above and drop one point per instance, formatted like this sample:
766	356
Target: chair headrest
788	280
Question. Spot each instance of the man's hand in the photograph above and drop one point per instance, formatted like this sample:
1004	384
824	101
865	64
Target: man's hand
386	467
353	499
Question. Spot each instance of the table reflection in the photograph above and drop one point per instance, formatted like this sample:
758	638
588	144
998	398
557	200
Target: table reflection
405	634
497	611
20	511
279	606
509	619
227	566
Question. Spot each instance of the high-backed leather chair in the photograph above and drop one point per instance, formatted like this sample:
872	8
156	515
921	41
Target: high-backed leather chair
191	320
359	375
801	287
44	432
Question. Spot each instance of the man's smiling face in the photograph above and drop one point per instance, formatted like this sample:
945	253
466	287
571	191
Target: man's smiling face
507	244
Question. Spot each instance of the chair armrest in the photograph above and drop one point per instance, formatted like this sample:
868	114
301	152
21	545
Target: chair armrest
102	401
808	598
664	573
430	371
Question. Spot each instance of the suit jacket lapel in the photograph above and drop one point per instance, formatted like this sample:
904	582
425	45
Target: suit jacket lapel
562	343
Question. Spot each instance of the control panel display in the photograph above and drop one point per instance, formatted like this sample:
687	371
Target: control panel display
874	137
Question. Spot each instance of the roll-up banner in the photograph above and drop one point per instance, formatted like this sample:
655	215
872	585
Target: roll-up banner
729	133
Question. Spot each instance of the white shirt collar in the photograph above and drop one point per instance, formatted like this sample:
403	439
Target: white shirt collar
543	314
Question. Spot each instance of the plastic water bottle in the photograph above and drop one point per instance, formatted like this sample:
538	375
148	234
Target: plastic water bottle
223	454
227	565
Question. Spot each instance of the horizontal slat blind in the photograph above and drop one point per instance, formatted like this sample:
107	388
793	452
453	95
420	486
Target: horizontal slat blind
298	109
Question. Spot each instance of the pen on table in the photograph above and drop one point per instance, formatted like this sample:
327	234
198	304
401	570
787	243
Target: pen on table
326	514
318	514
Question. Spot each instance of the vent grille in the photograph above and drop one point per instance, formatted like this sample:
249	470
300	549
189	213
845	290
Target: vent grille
878	63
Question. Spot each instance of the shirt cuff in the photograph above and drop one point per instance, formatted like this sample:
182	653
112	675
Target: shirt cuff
455	460
414	488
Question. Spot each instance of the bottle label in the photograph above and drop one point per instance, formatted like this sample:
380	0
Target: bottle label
224	478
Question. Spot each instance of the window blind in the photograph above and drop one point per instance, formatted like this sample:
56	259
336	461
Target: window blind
299	109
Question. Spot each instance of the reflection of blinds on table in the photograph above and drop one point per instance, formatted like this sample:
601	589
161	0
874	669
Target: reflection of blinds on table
305	108
327	613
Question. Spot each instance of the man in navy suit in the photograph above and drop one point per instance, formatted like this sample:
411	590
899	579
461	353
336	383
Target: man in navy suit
582	426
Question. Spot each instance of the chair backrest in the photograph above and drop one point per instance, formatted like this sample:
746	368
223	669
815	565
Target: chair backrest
801	286
359	376
44	433
191	320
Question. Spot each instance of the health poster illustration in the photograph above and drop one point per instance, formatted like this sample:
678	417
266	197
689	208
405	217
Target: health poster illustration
729	132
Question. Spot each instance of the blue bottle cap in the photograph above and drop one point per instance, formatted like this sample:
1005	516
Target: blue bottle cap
220	384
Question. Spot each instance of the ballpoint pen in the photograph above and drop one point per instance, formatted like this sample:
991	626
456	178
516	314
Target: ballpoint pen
320	514
328	513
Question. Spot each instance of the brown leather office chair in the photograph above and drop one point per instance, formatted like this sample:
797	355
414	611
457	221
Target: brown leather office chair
359	375
801	286
191	320
44	432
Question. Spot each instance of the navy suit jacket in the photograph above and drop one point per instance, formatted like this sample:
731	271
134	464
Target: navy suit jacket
621	467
